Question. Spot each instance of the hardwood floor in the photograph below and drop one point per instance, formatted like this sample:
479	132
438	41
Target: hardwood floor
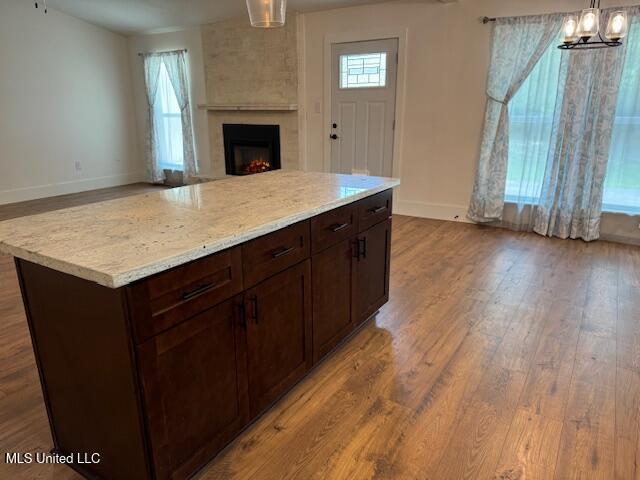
42	205
500	355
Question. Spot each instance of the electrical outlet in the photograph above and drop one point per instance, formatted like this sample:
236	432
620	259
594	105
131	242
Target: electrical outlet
78	165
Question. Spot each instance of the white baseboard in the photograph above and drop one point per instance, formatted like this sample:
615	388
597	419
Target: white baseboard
453	213
62	188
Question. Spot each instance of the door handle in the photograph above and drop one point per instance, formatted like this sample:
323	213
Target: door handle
254	309
333	136
283	252
362	248
242	314
339	227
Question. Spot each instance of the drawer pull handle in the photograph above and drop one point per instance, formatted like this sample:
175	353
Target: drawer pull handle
201	289
339	227
375	210
283	252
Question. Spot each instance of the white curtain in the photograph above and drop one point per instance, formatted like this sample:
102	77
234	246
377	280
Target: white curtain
621	191
152	64
518	43
571	199
561	124
167	89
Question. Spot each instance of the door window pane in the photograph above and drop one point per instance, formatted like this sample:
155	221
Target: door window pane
367	70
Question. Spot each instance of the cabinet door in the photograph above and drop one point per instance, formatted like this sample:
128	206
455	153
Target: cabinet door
278	334
332	282
371	276
195	389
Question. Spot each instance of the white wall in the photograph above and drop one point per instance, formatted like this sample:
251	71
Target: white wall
189	39
65	100
447	62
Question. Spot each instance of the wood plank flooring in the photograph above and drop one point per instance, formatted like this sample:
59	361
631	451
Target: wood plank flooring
501	355
41	205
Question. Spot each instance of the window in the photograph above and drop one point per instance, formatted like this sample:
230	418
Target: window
531	115
622	183
368	70
168	124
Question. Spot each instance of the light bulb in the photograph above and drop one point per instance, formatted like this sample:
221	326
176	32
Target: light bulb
589	21
589	24
569	27
618	26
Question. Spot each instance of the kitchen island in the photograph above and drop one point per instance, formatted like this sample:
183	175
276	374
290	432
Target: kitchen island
163	324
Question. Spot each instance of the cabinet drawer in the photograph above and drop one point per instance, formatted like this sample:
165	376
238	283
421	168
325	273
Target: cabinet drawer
332	227
273	253
169	298
374	209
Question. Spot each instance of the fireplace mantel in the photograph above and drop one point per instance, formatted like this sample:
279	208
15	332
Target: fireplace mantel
289	107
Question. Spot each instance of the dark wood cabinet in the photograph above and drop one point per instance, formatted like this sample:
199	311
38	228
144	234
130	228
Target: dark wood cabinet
371	277
332	292
374	209
267	255
194	383
278	313
332	227
169	298
159	375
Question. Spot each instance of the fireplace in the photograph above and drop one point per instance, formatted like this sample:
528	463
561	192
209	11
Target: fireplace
251	149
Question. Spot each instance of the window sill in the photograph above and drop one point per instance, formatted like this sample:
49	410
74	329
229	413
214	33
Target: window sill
620	210
612	209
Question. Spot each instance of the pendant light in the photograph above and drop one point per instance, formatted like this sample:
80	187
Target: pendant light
585	33
267	13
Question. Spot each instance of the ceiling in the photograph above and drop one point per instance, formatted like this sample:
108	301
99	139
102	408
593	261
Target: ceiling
139	16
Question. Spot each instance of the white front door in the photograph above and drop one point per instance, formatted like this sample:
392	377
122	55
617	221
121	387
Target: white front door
363	106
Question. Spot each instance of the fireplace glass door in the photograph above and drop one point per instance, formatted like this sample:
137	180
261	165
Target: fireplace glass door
250	149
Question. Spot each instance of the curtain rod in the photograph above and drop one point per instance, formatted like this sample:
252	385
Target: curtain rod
629	8
158	53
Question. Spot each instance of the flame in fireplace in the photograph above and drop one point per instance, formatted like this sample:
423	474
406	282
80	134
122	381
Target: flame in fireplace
257	166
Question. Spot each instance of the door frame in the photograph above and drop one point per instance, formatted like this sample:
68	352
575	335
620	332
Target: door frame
401	34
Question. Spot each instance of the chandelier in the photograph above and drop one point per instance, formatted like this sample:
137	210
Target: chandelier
267	13
585	33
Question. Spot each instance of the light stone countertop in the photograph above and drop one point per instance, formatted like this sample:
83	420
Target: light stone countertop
117	242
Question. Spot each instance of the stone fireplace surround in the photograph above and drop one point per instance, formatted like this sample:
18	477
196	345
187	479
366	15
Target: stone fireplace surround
250	66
